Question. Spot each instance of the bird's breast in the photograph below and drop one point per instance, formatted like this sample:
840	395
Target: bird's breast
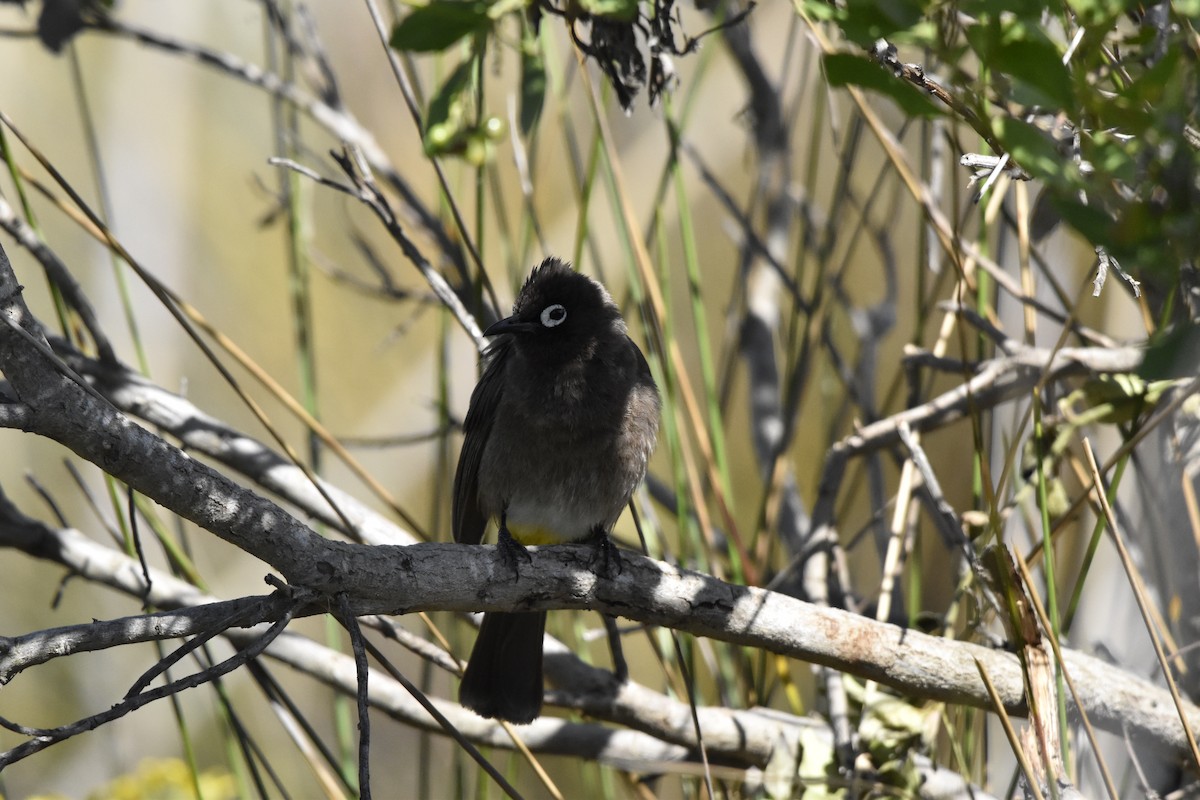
567	448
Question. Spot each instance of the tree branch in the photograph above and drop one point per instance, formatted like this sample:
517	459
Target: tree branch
451	577
133	394
18	653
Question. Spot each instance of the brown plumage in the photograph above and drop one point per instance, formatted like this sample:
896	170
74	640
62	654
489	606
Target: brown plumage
557	437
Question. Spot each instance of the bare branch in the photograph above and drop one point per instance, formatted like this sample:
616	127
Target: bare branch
19	653
452	577
41	739
201	433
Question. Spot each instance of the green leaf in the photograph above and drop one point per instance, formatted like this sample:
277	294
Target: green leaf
846	69
1174	354
498	8
821	10
1111	156
445	124
533	84
620	10
868	20
817	760
1039	66
1147	93
1022	53
993	9
1032	148
440	24
1100	13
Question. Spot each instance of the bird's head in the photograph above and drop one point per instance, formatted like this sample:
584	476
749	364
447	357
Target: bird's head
559	313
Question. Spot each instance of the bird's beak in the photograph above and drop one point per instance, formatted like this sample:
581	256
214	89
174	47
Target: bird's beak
509	325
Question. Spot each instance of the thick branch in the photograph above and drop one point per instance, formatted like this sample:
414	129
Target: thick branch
743	736
450	577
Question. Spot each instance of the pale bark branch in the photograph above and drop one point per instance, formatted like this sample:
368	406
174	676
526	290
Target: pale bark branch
451	577
200	432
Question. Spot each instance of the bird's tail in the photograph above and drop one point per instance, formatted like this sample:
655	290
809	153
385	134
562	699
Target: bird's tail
503	679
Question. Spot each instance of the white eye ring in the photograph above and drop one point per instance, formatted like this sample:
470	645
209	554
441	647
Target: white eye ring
554	315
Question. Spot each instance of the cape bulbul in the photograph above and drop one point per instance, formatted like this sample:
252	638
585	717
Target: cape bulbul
557	437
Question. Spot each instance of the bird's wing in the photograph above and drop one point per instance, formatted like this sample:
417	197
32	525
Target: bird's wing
467	518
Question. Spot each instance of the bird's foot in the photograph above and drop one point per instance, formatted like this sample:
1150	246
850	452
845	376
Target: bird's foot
606	558
511	551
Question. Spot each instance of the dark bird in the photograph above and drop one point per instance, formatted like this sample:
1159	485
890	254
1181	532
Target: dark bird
557	437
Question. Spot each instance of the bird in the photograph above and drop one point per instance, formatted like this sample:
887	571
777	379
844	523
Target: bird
557	436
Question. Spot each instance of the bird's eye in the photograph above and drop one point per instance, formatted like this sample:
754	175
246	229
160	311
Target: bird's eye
554	315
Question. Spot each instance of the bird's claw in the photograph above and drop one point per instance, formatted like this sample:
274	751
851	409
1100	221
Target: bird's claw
512	552
606	558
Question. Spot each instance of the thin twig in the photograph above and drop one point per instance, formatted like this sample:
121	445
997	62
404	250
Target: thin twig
441	719
350	623
43	738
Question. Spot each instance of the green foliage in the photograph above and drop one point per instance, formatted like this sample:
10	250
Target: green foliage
619	10
533	84
453	124
435	27
843	69
1172	354
1091	99
1096	14
619	31
865	21
1032	148
1020	51
447	127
